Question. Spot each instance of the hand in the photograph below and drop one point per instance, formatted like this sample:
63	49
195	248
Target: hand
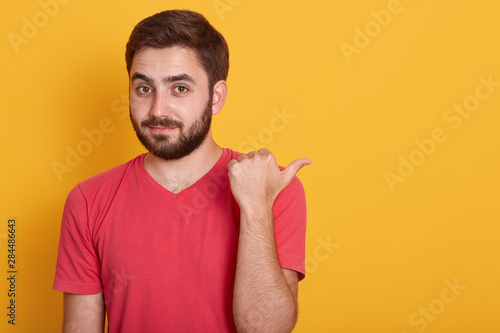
256	179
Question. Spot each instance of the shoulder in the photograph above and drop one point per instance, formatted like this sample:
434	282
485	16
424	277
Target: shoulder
292	197
233	154
109	179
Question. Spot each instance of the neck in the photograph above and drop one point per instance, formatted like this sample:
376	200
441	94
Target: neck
177	175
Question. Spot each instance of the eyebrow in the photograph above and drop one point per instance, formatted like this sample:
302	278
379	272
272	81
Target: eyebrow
168	79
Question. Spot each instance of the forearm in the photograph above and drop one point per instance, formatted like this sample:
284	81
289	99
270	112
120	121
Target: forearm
263	301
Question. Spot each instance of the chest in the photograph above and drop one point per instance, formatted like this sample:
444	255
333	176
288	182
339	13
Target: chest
148	236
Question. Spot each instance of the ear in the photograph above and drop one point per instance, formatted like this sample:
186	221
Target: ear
219	96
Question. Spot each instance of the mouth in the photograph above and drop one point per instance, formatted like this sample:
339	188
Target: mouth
162	129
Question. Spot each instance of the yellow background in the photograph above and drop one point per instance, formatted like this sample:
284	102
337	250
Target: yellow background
389	248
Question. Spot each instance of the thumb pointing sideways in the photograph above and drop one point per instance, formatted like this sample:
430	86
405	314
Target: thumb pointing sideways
291	170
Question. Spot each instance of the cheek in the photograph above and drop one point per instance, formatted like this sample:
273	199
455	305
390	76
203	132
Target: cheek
135	115
138	107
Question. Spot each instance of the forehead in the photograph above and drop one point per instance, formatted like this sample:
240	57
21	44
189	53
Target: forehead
173	60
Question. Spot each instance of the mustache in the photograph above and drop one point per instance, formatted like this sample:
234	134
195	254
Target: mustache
165	122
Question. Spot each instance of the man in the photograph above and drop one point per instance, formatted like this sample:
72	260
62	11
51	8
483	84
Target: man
189	237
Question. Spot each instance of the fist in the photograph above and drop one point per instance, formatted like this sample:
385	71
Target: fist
256	179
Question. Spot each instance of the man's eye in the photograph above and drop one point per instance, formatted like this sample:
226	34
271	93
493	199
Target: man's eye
144	90
181	89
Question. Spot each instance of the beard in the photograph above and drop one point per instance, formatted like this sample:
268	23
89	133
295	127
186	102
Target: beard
164	146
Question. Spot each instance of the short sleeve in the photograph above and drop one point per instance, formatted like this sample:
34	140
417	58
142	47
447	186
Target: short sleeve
290	217
78	266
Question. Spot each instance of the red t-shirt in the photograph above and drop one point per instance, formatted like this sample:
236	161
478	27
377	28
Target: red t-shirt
165	262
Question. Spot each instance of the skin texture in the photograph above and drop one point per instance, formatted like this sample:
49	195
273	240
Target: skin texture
265	295
83	313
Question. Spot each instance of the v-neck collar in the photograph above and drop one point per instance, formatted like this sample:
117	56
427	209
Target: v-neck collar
145	174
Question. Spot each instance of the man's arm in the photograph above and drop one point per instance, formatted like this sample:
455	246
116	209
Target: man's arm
265	295
83	313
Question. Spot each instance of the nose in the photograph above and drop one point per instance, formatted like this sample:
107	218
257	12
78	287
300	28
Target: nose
160	108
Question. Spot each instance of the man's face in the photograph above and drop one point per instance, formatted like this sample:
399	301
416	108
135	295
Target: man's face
170	104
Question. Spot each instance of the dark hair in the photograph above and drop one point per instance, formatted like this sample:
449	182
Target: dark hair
182	28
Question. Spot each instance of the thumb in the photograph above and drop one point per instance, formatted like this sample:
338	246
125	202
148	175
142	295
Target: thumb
291	170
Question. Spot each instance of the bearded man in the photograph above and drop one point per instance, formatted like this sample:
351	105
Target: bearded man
189	237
